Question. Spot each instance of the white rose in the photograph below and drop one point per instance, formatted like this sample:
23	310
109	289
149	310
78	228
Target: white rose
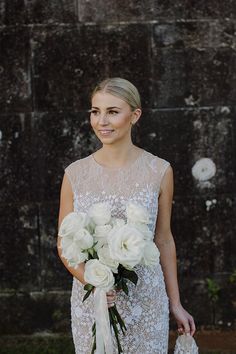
99	243
83	238
105	258
136	213
98	274
151	254
91	226
72	253
126	245
100	213
66	242
117	222
71	223
102	230
144	229
100	235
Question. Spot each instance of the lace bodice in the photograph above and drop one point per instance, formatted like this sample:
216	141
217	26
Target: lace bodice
145	311
140	182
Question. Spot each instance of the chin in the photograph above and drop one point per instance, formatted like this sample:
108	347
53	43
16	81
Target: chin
106	141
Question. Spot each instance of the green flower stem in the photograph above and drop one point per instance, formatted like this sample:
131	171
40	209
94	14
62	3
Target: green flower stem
94	340
119	319
114	321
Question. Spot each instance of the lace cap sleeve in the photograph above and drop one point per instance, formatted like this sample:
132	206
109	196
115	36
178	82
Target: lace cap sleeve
71	172
165	165
159	167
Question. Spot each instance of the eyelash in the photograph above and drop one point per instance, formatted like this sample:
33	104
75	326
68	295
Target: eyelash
110	112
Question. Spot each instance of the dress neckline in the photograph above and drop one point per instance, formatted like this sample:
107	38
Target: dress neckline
121	168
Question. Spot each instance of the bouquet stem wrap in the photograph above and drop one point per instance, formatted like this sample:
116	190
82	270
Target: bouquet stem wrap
103	329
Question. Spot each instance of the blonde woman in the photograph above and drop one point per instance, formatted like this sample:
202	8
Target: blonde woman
120	171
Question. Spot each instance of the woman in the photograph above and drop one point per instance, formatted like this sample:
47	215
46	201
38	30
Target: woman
120	171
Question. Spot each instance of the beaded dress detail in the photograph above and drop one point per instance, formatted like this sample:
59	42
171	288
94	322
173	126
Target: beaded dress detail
146	309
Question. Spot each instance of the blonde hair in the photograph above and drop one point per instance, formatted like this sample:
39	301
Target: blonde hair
121	88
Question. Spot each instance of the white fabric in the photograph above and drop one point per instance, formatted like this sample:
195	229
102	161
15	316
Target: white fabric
103	331
146	310
185	344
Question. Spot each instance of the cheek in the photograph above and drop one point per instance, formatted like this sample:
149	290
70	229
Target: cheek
92	121
121	122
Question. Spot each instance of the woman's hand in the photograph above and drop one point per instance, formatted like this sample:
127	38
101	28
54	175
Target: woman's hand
111	298
185	321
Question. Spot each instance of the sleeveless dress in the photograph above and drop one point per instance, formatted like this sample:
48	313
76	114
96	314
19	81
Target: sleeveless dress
146	309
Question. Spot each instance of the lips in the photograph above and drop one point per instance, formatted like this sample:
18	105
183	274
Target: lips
106	132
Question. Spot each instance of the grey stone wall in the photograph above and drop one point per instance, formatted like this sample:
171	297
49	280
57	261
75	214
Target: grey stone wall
181	55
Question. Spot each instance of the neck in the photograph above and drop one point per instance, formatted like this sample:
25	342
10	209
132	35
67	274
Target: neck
117	155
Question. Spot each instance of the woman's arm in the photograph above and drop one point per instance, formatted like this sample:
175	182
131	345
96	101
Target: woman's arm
165	242
66	207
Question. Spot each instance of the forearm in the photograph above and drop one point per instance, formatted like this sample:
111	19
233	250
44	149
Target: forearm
169	266
78	273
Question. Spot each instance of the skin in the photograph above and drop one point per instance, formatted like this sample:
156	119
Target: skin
112	113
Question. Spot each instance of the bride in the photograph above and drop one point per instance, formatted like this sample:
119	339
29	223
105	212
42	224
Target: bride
118	172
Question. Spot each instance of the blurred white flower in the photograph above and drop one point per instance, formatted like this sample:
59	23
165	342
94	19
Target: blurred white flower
73	254
100	235
136	213
117	222
204	169
151	254
72	222
126	245
100	213
83	238
98	274
146	232
102	230
105	258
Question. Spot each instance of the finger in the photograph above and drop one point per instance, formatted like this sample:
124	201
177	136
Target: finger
110	302
192	326
186	327
111	298
180	330
111	305
110	292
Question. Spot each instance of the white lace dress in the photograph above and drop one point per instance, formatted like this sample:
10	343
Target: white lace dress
146	309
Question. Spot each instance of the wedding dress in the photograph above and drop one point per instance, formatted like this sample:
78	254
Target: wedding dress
146	309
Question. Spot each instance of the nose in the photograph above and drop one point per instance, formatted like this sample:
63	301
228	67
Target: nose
103	119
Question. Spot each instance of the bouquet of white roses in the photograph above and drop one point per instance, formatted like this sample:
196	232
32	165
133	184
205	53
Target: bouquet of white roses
111	248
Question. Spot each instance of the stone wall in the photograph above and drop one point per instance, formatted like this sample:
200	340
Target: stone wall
182	57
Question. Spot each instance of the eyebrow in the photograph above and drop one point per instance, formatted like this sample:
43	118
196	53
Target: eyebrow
107	107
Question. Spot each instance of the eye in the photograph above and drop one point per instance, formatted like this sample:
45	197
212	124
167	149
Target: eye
113	113
94	112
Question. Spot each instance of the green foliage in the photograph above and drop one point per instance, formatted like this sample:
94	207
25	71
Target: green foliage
232	278
89	288
213	290
57	315
128	274
37	345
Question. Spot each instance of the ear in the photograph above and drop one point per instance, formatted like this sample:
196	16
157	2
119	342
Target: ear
136	115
